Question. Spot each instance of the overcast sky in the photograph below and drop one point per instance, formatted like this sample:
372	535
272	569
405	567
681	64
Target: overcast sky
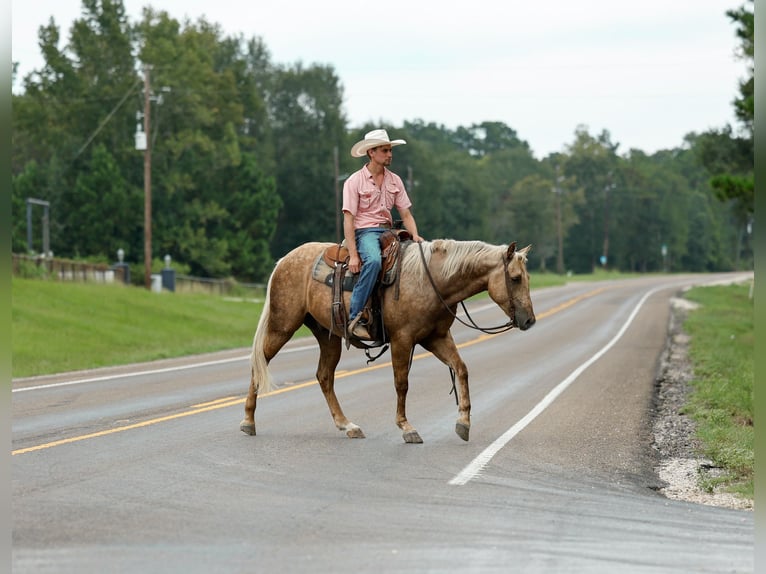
649	72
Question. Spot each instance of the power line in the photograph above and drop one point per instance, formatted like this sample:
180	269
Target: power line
106	120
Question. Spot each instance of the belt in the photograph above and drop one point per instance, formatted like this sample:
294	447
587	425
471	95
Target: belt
381	226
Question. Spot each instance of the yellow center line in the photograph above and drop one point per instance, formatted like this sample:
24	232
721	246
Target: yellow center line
215	402
233	401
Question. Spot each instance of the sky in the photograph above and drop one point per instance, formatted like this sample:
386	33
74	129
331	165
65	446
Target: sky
647	72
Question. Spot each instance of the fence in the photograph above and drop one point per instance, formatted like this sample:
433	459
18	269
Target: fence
64	269
224	287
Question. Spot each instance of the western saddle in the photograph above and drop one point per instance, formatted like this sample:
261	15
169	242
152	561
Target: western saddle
392	244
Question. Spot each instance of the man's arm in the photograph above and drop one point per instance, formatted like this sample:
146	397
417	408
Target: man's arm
354	263
409	224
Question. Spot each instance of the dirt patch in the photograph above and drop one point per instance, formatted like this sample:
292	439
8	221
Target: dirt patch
680	466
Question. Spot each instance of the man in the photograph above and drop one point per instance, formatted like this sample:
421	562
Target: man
368	197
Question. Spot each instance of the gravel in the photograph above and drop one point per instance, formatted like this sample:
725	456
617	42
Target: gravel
680	466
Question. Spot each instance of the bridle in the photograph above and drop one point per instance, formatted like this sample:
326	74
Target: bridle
488	330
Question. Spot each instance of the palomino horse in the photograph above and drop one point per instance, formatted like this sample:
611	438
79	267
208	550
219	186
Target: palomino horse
434	280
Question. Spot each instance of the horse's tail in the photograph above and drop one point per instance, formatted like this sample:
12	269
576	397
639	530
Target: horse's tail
261	377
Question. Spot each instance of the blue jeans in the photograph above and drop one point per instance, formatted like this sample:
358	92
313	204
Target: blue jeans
368	246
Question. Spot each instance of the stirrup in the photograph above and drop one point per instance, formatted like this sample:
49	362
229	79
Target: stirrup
358	330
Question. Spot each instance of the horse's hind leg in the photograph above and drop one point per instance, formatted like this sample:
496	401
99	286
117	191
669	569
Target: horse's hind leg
247	425
329	354
267	342
443	347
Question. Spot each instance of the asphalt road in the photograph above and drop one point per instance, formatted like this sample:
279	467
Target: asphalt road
144	469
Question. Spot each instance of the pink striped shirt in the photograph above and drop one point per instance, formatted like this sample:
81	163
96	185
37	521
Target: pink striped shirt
370	205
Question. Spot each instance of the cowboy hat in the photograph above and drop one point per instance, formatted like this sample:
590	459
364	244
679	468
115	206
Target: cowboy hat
373	139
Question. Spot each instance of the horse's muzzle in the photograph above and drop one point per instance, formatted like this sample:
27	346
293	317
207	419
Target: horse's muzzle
526	323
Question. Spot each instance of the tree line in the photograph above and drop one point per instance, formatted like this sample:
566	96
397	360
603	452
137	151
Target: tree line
244	162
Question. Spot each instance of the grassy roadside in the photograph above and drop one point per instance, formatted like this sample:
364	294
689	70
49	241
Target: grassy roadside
58	326
721	348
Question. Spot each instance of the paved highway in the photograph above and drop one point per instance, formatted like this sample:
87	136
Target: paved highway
144	469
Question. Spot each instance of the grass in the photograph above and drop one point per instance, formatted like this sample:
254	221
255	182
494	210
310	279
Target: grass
59	327
721	403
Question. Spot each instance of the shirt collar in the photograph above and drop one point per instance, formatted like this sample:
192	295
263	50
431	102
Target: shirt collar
368	173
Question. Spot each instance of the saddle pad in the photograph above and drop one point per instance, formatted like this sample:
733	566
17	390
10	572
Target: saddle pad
324	274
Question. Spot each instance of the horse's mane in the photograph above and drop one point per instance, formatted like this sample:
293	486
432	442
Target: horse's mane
461	257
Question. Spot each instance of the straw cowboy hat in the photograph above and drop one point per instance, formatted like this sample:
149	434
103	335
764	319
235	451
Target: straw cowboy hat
373	139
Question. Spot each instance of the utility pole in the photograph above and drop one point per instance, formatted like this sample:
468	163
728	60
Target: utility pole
147	183
337	195
605	248
559	234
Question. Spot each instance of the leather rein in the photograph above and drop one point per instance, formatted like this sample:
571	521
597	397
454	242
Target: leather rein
488	330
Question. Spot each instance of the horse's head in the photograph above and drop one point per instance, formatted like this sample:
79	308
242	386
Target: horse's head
509	287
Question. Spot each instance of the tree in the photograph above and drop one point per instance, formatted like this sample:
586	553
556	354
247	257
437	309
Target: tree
449	199
254	200
591	163
744	105
730	160
68	106
501	170
30	183
488	137
243	161
102	212
530	212
215	203
307	124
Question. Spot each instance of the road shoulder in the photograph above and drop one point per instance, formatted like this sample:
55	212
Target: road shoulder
680	466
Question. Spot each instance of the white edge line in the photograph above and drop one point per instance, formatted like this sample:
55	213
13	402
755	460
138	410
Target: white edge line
150	372
475	467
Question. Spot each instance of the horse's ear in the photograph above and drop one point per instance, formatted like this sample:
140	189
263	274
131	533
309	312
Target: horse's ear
525	250
511	250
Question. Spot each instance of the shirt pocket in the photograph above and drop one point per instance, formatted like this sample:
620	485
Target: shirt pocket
367	197
393	192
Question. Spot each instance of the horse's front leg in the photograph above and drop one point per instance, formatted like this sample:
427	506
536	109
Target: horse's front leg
443	347
400	358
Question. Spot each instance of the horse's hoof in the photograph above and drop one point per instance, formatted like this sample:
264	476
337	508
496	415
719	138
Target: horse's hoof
355	432
247	428
462	430
412	437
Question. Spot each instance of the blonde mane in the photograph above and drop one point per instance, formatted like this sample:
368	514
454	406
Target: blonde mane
461	257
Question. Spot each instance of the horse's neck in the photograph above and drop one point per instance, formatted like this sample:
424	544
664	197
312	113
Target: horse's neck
458	288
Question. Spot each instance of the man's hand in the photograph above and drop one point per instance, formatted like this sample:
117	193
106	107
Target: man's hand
354	263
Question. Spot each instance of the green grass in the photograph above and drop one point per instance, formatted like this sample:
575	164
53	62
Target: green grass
60	327
721	349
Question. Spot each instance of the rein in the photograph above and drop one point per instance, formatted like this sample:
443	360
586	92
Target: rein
488	330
